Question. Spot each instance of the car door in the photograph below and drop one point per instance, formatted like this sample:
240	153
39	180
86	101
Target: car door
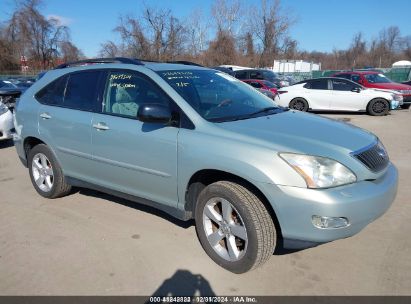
347	96
130	156
318	94
64	120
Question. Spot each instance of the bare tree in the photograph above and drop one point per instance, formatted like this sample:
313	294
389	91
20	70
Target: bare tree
133	35
226	14
109	49
34	35
69	52
222	50
197	33
270	27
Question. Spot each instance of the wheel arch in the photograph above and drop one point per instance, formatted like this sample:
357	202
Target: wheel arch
202	178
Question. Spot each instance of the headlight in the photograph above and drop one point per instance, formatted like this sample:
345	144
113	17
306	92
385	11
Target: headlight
3	108
398	97
319	172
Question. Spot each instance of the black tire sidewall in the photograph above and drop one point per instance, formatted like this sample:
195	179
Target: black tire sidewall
374	101
299	99
55	167
248	260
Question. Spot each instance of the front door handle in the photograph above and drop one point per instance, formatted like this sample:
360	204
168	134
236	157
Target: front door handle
45	115
101	126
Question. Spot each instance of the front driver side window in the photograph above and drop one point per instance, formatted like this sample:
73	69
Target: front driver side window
126	91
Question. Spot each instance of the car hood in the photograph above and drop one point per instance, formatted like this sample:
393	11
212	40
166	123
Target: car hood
298	132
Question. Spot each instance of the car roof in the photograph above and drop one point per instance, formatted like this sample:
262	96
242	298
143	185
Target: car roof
358	72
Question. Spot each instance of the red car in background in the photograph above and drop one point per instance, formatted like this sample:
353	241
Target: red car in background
376	80
262	85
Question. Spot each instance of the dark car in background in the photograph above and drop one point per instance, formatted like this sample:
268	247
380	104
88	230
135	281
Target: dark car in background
9	92
259	74
376	80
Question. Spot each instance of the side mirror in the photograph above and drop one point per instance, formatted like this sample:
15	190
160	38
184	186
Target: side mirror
154	113
356	89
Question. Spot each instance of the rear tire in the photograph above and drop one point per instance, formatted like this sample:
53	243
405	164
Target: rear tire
46	174
299	104
406	106
234	227
378	107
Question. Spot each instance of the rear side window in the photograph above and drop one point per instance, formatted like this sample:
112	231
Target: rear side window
76	91
256	75
355	78
81	91
320	84
241	75
53	93
340	85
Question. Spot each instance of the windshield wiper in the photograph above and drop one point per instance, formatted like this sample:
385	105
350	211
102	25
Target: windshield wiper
265	110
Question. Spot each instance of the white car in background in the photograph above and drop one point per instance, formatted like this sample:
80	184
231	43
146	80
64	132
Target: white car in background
337	94
6	123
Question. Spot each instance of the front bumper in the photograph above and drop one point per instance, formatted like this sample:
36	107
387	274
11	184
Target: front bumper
361	203
6	126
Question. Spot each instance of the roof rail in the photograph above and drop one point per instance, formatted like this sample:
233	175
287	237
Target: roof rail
100	60
185	62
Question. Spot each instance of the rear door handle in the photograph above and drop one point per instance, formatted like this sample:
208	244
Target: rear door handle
101	126
45	115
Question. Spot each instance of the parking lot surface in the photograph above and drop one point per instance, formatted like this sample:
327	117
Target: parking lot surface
89	243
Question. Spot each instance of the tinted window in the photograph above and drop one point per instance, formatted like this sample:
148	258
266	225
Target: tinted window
355	78
320	84
81	90
241	74
127	91
340	85
256	75
53	93
255	84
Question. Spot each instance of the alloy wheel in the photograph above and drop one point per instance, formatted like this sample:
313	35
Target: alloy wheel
42	172
225	229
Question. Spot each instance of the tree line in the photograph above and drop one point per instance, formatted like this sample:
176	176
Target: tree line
234	32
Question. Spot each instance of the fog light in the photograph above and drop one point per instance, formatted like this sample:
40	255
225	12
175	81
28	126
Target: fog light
329	222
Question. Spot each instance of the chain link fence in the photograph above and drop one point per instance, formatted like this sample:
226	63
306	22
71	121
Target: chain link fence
395	74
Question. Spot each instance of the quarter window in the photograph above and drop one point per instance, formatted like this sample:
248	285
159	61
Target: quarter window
53	93
127	91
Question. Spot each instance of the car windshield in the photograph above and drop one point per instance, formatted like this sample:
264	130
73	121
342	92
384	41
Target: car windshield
217	96
377	78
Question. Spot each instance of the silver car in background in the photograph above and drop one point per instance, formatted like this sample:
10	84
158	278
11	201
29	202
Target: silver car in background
200	144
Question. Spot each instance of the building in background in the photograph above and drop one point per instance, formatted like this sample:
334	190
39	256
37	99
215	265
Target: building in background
295	66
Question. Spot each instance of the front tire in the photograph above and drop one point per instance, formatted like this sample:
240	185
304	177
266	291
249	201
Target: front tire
234	227
378	107
299	104
46	174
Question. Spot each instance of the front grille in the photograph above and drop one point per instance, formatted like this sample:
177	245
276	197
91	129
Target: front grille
374	158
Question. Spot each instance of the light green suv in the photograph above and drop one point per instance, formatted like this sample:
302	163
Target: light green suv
200	144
